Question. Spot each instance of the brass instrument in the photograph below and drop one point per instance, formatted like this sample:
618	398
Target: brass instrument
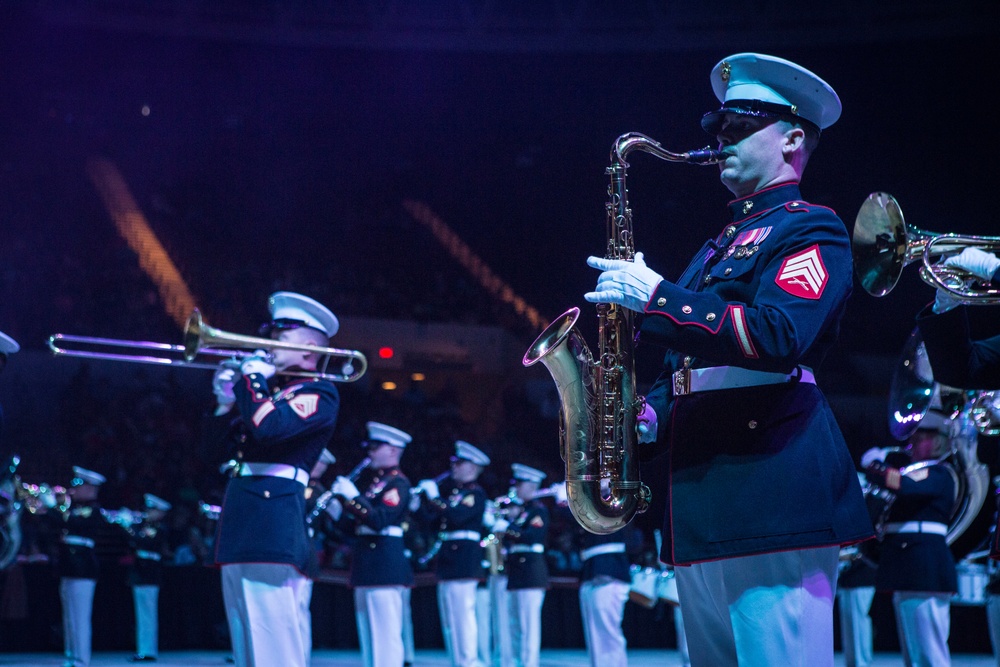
10	514
882	244
198	341
598	399
41	498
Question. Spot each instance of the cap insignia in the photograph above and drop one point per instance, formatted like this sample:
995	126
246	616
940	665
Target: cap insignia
725	70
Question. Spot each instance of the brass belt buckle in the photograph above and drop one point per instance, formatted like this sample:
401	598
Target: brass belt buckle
682	382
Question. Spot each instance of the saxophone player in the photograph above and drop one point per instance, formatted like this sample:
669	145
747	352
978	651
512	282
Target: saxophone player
736	405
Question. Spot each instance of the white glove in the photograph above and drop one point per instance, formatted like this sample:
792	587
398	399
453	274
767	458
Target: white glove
334	509
258	364
501	526
977	262
430	488
414	502
945	301
874	454
489	516
222	387
559	493
345	487
628	284
645	424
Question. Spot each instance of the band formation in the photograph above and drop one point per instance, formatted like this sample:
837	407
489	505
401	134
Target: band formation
768	520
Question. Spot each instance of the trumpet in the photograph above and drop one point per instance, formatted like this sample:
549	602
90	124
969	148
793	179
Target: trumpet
199	339
40	498
882	244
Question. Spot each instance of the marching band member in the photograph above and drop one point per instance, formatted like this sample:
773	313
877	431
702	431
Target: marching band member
458	503
149	542
915	563
604	588
262	544
78	565
736	405
380	569
527	572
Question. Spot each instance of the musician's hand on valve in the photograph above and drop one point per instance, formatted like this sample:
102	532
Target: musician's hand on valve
979	263
628	284
645	424
429	488
345	487
881	474
258	364
501	526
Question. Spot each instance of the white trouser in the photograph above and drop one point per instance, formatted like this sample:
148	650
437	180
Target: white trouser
503	651
483	623
409	651
760	611
146	599
305	618
602	608
525	605
379	612
853	605
682	642
923	621
263	606
457	606
77	597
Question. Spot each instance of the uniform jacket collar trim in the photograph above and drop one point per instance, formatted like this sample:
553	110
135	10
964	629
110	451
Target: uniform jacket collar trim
762	200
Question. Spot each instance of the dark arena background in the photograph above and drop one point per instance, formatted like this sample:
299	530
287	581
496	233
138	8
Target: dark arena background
434	173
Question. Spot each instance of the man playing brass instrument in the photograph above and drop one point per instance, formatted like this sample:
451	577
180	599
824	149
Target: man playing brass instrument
763	490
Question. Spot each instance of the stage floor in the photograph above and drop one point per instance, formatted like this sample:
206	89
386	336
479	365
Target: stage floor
326	658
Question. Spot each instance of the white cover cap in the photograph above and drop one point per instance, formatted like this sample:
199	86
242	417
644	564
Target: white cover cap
156	503
523	473
383	433
467	452
761	85
7	344
89	476
327	457
292	306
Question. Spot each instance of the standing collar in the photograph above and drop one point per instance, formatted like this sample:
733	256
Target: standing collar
762	200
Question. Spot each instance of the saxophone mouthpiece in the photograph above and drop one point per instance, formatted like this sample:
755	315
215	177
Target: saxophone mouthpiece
704	155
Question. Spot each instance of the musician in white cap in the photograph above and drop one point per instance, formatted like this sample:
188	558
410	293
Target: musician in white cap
8	346
915	563
284	422
148	540
380	569
78	565
526	530
736	406
457	503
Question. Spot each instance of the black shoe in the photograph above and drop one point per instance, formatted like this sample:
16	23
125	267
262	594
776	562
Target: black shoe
138	657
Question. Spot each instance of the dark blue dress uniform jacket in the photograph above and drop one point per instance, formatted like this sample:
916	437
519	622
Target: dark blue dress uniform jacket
765	468
379	560
460	507
263	518
527	569
151	538
76	560
919	561
610	565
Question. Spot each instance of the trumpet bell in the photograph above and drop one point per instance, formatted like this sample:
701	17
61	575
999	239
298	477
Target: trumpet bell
879	243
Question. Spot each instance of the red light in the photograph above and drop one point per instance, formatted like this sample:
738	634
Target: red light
385	353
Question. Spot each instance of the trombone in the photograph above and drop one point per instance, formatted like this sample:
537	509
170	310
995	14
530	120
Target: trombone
199	339
882	244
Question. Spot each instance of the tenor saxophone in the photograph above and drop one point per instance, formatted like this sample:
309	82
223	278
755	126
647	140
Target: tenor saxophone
599	405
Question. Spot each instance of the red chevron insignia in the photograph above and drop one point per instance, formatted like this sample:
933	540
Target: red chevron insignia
803	274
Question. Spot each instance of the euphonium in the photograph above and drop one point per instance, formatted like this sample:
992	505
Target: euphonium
598	398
